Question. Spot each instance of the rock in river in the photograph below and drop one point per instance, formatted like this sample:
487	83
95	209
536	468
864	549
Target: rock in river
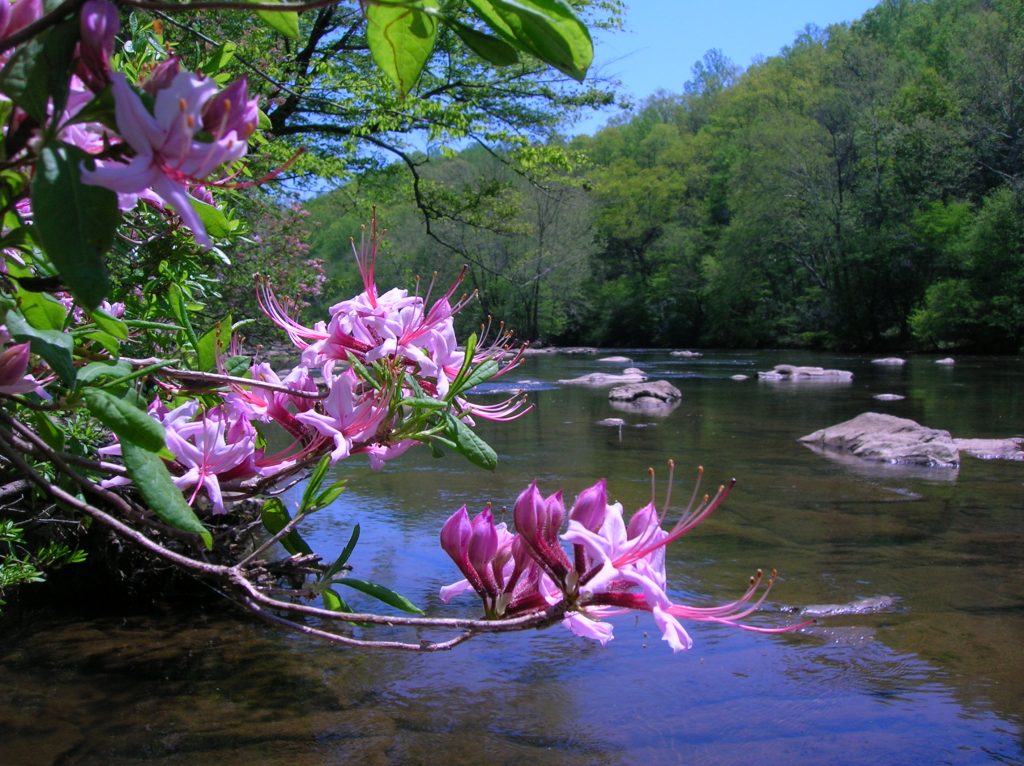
598	379
792	372
660	390
889	439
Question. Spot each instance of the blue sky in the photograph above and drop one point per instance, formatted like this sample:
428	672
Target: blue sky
663	38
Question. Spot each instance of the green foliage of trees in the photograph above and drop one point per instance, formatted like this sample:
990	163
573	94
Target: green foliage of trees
860	190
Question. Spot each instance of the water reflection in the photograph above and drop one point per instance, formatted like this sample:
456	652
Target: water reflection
937	678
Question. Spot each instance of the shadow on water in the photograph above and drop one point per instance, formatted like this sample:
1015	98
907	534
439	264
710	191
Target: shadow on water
937	676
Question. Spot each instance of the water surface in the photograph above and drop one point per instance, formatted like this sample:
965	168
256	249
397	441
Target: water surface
936	678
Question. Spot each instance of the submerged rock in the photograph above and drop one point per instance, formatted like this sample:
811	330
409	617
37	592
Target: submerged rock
616	359
598	379
859	606
948	361
889	397
890	361
739	377
796	373
687	354
993	449
888	439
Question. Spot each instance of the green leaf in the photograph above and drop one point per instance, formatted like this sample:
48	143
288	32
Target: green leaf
549	29
95	370
275	516
424	403
48	430
41	310
109	324
176	299
316	478
481	374
218	59
125	420
214	343
468	444
329	495
237	365
334	602
381	593
52	345
150	475
74	223
216	223
285	22
345	554
401	39
109	343
489	48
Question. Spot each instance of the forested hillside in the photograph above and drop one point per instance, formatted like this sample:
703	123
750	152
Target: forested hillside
862	190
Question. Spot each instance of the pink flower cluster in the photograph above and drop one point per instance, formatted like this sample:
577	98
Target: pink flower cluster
165	155
376	351
404	333
611	566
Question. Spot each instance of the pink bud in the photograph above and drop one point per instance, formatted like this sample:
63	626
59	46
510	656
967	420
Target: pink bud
591	506
162	75
99	25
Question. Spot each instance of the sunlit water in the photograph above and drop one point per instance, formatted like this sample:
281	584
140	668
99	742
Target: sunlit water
937	678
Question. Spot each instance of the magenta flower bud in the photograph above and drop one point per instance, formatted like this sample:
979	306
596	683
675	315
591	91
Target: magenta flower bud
231	110
591	506
455	536
538	521
162	76
14	369
99	24
483	542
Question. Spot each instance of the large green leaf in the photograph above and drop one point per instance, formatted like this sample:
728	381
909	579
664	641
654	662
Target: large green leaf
150	475
468	444
42	311
74	223
492	49
124	419
285	22
549	29
381	593
52	345
401	40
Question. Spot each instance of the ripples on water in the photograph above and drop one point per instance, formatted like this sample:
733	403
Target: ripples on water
936	678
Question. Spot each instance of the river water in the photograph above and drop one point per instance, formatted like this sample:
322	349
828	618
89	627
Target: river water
936	677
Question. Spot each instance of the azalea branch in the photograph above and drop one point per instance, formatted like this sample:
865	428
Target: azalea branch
216	378
226	5
253	598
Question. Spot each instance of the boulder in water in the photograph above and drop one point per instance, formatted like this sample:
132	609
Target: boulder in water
888	439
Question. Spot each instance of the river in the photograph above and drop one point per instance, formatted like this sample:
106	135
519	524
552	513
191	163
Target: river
937	676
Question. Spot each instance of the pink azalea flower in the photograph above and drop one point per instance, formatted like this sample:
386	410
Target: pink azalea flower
169	155
349	417
17	15
14	375
616	566
395	325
